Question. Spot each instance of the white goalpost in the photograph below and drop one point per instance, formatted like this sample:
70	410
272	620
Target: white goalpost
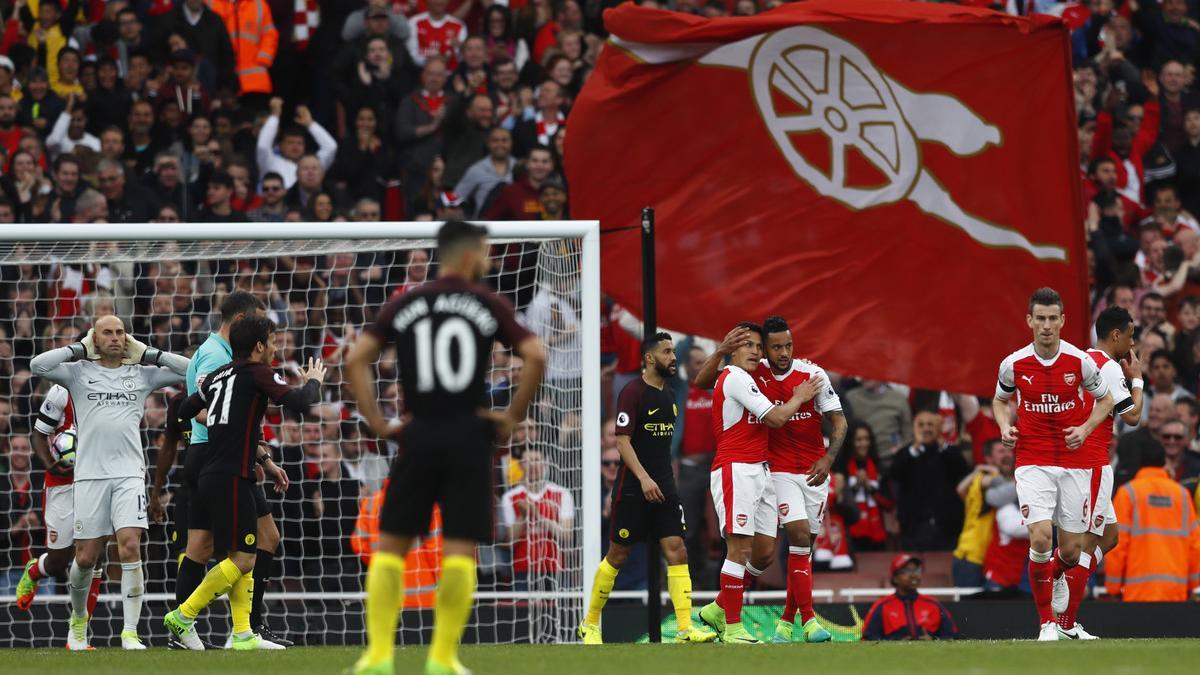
323	283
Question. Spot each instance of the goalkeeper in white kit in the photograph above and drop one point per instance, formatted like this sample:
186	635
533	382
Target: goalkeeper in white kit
109	375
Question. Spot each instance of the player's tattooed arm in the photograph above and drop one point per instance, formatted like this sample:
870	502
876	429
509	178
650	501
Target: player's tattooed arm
837	436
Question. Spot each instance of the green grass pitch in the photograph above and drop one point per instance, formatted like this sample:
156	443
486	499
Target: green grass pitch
1122	657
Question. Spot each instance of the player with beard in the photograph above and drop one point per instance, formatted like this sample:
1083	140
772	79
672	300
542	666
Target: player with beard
1120	368
650	506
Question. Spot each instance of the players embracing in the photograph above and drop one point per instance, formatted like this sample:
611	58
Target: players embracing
797	459
1058	483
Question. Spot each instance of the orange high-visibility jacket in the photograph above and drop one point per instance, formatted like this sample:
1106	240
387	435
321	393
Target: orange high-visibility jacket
423	563
1158	556
254	38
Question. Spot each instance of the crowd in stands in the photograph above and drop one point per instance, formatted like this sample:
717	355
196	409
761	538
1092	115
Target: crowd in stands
305	110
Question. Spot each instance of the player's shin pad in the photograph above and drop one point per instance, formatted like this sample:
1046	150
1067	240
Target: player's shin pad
217	582
385	592
456	590
679	585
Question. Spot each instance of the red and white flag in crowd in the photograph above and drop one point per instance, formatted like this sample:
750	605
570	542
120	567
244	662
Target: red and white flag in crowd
894	178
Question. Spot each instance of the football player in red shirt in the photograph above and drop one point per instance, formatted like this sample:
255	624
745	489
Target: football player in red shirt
743	493
1055	483
1120	368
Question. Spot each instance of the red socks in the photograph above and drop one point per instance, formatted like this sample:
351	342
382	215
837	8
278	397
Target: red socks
800	584
1060	567
733	584
1077	578
93	595
1041	578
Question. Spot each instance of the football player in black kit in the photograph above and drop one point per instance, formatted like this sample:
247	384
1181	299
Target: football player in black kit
645	503
443	332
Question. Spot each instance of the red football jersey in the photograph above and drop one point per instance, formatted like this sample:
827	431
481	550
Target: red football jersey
793	447
1049	399
56	415
427	36
737	410
538	550
698	437
1099	442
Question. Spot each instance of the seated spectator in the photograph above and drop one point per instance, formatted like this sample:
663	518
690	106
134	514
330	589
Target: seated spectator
310	181
67	188
183	88
552	196
1180	464
144	141
539	129
273	207
922	480
127	201
201	29
364	161
472	76
1163	373
519	201
39	105
169	187
218	204
1157	558
500	38
906	614
373	80
484	175
431	191
10	130
860	466
538	515
30	187
284	159
67	84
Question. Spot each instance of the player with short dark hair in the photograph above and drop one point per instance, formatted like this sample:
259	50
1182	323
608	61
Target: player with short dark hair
742	488
235	396
443	331
799	463
649	507
1054	478
194	541
1119	366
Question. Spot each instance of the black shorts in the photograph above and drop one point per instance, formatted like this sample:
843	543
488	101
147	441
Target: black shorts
193	462
225	505
634	519
261	506
447	462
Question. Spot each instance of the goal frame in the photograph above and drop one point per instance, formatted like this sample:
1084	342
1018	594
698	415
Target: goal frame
587	231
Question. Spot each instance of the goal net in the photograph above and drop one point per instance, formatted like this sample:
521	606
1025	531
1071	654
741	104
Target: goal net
323	283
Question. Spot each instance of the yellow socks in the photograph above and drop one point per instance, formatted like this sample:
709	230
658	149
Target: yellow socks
606	576
239	603
218	580
455	595
679	585
385	594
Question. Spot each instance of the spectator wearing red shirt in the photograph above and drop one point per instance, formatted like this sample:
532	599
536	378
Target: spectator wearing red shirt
538	515
569	15
519	201
436	32
10	133
908	615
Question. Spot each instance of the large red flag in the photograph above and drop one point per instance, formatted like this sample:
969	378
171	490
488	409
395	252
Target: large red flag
894	178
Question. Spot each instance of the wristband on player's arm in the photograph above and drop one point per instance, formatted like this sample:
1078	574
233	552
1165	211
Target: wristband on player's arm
78	351
151	356
1137	383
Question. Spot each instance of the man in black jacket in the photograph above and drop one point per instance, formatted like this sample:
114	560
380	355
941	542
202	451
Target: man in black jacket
205	33
922	478
127	201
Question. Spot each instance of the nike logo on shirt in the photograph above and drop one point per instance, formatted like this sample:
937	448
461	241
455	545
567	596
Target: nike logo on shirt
653	411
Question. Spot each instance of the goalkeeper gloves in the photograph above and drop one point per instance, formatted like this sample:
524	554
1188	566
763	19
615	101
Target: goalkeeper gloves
84	349
137	353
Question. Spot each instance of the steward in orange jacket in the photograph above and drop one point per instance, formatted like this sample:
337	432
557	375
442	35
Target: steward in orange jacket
1158	556
254	38
422	565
